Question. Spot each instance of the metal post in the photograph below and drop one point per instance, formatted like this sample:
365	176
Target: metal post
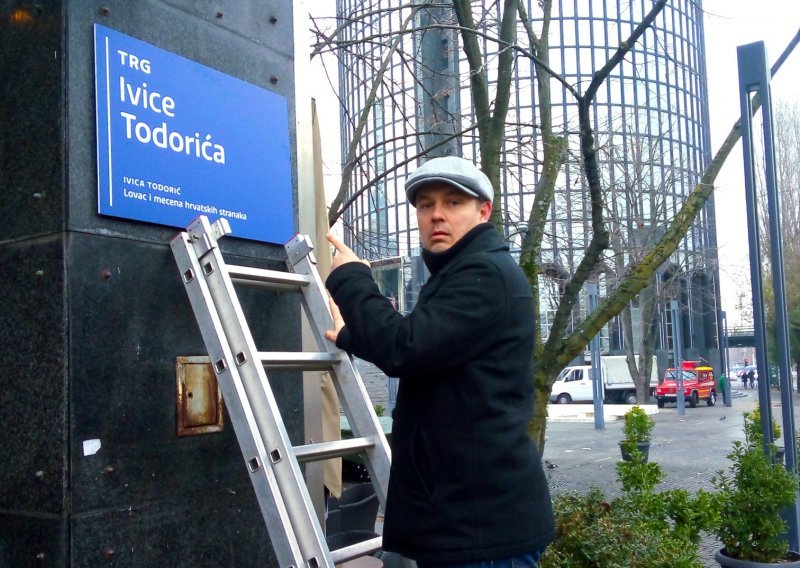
754	77
726	391
597	381
749	62
678	344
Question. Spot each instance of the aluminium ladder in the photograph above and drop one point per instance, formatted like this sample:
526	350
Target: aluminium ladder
273	463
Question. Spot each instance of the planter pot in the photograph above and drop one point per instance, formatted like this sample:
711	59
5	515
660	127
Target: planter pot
727	562
643	447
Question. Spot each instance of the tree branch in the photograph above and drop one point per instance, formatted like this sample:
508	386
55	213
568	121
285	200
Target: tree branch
349	164
640	273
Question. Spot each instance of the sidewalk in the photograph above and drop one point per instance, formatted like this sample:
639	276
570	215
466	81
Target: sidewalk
689	448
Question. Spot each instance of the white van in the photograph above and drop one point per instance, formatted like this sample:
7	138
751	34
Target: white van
574	383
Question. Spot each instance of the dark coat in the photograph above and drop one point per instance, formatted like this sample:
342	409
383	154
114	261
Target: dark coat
466	480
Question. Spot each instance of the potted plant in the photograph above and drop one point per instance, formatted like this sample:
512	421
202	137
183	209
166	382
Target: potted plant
637	427
751	496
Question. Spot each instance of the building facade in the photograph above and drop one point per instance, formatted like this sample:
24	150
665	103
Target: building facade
406	66
96	467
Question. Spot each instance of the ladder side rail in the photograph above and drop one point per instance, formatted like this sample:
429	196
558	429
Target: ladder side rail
271	428
272	507
350	387
364	423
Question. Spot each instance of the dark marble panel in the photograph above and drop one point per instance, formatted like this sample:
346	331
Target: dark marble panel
276	327
31	166
32	541
33	382
268	22
130	318
201	530
175	29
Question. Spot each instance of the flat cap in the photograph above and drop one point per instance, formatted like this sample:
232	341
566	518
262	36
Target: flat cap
458	172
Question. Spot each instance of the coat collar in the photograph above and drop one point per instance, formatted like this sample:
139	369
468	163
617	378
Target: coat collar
480	237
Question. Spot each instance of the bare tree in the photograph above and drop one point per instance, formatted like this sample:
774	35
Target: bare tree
490	86
638	214
787	161
640	189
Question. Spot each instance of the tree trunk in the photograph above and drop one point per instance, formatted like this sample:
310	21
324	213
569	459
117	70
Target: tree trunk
538	423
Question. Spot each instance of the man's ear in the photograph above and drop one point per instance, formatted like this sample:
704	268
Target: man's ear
485	210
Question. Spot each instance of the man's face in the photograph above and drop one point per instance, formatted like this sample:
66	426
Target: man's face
445	214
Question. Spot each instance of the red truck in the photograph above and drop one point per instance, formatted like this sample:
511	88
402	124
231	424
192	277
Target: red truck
698	383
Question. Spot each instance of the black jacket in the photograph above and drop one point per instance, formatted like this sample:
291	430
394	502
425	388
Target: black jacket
466	480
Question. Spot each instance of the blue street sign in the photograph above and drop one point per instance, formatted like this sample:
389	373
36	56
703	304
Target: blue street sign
176	139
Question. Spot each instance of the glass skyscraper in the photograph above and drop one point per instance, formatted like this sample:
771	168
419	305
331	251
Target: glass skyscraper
406	66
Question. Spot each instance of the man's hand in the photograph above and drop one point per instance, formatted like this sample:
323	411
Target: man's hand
338	322
343	253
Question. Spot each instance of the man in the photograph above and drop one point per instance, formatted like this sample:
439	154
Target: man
466	483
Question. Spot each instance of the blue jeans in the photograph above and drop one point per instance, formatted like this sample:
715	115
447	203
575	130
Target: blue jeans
522	561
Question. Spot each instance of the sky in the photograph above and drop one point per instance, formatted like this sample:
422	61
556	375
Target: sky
728	24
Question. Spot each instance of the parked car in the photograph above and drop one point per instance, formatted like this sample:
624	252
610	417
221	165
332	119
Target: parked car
698	384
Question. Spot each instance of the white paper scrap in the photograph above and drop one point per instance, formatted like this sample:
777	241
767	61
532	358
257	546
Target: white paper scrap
91	447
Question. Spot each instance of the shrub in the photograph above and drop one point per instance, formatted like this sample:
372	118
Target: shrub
640	528
752	495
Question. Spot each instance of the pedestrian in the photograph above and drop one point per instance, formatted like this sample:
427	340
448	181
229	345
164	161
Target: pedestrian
751	377
467	484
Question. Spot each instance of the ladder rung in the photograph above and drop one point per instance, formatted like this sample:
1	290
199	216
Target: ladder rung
358	549
300	361
335	449
274	279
